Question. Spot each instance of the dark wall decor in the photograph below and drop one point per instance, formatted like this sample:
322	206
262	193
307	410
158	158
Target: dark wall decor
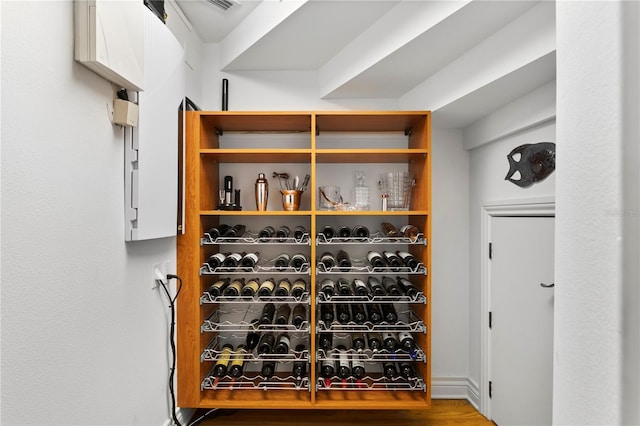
536	162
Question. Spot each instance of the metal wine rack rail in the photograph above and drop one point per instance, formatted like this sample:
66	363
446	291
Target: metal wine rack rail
359	267
208	298
407	321
206	269
368	355
214	323
249	238
211	382
212	353
371	383
376	238
419	297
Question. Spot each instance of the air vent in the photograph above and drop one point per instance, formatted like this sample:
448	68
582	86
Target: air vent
224	5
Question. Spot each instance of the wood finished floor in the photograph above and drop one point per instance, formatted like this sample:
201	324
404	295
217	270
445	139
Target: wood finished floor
443	412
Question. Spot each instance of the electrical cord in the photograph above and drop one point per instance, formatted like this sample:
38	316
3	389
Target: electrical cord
172	306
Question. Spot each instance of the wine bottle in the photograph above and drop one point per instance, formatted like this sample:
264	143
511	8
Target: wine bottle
327	368
283	288
251	287
218	287
232	260
357	341
389	340
357	367
298	260
391	287
328	260
344	288
344	233
393	260
374	341
216	260
282	261
328	232
268	312
408	259
298	288
236	231
390	230
361	232
266	287
359	313
407	287
389	313
299	315
376	287
237	363
359	288
217	231
326	313
376	260
344	261
389	369
410	232
220	368
325	340
298	233
328	287
283	314
300	366
249	260
406	370
283	233
343	313
282	347
342	365
253	336
234	288
407	341
266	343
268	369
266	233
374	313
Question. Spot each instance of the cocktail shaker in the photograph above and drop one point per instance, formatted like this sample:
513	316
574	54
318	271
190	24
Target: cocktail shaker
262	193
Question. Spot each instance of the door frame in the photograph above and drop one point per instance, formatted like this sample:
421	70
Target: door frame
529	207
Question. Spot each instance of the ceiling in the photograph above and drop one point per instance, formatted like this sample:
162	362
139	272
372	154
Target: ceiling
460	59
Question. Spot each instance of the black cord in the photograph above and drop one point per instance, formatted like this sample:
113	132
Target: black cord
172	306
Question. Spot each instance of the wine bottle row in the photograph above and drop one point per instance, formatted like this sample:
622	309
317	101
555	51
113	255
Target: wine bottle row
359	233
374	342
251	262
230	288
270	317
269	234
375	262
371	289
348	366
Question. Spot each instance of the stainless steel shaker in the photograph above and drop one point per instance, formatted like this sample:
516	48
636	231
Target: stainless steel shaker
262	192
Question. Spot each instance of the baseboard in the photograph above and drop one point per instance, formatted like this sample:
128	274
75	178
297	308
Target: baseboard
455	388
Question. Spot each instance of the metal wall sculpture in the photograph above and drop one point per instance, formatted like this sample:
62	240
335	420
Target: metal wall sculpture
536	162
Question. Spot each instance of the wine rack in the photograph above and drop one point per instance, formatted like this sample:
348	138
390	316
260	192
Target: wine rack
210	321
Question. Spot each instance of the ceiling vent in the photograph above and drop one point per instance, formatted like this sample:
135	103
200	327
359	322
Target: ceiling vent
224	5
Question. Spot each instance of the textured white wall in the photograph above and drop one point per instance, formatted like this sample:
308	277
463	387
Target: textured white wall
589	215
84	336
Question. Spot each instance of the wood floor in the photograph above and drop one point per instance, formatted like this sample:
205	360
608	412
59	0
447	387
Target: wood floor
443	412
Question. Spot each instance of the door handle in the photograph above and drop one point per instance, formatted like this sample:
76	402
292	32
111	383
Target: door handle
547	285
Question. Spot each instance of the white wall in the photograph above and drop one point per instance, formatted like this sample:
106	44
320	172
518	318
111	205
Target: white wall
84	335
488	168
597	76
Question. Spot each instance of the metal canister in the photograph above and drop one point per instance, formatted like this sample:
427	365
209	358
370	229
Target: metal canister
262	192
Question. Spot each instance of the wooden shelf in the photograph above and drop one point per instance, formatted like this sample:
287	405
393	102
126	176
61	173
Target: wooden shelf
370	155
371	213
257	155
254	213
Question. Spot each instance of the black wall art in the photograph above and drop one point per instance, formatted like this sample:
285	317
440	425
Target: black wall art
534	162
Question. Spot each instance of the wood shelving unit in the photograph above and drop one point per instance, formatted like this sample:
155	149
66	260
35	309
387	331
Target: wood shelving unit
317	142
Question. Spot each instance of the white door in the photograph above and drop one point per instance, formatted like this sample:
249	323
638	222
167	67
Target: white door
521	334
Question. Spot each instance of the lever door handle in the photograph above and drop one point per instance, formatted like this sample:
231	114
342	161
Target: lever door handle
547	285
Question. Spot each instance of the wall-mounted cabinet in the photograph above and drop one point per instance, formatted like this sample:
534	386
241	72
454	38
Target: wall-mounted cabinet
266	331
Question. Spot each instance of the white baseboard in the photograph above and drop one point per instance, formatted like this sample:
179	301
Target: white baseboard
455	388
